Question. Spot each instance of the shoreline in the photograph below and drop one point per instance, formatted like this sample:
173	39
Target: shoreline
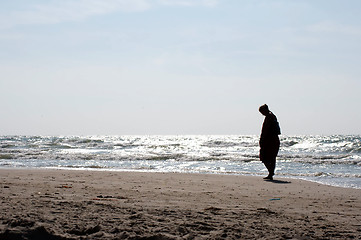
305	178
81	204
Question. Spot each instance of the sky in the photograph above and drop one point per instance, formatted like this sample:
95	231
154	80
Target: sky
124	67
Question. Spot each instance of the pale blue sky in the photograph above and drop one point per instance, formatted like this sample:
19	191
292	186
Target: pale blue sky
179	66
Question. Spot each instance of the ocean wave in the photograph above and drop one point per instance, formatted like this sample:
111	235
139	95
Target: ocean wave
309	149
321	174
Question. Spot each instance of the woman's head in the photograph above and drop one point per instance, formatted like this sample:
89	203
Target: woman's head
264	109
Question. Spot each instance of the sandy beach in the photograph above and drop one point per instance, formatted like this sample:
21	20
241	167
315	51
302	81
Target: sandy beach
62	204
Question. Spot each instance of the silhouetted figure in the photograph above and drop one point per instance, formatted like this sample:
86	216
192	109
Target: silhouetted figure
269	141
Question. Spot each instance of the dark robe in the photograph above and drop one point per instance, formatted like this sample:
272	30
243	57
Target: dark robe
269	142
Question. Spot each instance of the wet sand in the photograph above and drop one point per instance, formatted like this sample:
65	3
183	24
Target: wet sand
62	204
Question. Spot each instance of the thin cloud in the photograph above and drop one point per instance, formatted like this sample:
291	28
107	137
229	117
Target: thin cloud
77	10
69	10
189	3
331	27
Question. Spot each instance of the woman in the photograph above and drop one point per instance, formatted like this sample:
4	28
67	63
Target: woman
269	141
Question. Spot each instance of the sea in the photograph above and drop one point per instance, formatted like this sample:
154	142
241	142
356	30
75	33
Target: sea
331	160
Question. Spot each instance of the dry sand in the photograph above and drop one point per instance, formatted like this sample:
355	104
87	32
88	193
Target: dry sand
60	204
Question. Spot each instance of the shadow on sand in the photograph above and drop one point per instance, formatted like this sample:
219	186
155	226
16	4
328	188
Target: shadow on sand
278	181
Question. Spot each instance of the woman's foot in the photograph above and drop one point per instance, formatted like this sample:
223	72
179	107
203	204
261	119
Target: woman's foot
269	177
